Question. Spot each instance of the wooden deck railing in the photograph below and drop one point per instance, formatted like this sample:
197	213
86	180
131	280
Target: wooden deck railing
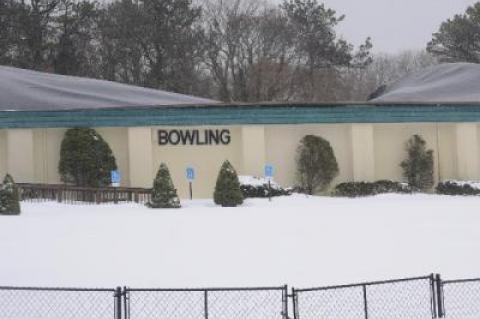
82	195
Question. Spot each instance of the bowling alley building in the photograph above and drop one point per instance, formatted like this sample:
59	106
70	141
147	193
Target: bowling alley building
145	127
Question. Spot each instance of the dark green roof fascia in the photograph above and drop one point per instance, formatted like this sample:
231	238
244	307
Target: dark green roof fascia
241	114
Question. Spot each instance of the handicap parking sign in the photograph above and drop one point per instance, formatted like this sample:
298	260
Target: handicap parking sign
190	173
269	171
115	177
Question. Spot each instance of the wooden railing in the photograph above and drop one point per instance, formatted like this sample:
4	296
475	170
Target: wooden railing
82	195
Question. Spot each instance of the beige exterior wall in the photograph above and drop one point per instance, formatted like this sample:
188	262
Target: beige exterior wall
20	154
390	150
253	150
447	152
117	139
282	142
205	159
365	152
467	151
53	141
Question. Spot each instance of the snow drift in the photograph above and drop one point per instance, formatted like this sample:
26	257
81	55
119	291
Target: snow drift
297	240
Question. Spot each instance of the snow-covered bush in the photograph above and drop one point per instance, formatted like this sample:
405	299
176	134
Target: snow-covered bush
258	187
164	194
358	189
85	158
418	166
458	188
9	197
227	189
316	164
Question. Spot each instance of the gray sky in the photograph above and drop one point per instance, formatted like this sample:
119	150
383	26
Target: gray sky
394	25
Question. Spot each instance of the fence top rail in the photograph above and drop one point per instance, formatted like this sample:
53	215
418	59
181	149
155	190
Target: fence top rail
56	289
280	288
364	284
460	281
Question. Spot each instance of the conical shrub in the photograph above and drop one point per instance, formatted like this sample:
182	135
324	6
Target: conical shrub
9	197
164	194
418	166
227	190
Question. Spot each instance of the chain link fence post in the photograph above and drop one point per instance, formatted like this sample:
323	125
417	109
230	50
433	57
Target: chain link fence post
295	304
126	302
365	303
285	302
433	296
205	304
118	302
440	303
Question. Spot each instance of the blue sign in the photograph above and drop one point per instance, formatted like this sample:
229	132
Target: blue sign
115	177
269	171
190	173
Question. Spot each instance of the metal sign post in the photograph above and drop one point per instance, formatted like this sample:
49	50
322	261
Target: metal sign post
269	175
190	178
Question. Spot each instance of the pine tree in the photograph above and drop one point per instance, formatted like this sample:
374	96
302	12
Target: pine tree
9	197
418	167
227	189
316	164
85	158
164	194
457	39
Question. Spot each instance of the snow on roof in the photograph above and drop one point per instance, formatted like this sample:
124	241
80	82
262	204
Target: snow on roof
25	90
444	83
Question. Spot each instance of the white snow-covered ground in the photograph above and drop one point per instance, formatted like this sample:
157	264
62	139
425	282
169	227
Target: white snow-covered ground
298	240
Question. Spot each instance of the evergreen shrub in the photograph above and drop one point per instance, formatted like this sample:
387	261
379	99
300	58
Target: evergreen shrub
227	189
259	188
85	159
418	166
316	164
164	194
457	188
359	189
9	197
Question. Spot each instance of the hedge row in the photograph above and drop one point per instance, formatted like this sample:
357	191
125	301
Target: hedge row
357	189
457	188
262	191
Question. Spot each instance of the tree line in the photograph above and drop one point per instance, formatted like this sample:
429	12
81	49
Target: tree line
231	50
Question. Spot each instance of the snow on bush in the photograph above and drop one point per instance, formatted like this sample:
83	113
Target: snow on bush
252	186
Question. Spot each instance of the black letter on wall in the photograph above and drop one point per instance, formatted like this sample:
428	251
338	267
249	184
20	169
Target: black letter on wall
162	137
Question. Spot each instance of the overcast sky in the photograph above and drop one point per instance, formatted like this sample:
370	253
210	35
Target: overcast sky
394	25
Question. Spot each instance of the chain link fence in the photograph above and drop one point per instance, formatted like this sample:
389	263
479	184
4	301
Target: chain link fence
228	303
57	303
461	299
412	298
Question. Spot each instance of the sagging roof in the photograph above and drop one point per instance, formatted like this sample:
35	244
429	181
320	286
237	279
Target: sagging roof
442	84
26	90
